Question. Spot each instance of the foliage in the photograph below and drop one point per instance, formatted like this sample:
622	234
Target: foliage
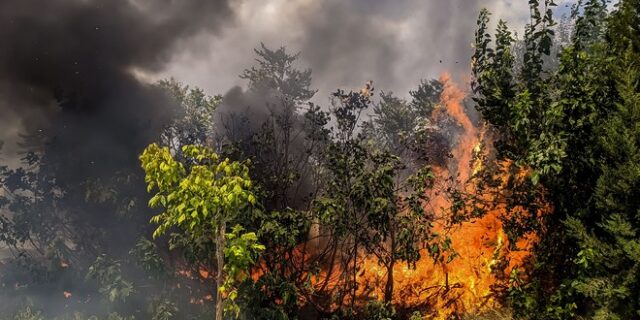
107	274
379	311
148	258
576	128
163	309
200	196
28	314
240	256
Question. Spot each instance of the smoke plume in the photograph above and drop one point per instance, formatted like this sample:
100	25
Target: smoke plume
67	72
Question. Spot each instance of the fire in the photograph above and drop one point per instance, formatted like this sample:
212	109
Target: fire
67	294
465	284
483	258
204	273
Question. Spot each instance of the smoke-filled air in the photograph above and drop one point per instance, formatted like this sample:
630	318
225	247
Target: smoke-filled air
319	160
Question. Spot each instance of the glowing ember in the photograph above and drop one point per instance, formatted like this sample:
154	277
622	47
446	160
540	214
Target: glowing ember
204	273
67	294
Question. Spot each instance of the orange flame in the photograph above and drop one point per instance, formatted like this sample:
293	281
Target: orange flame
465	284
484	256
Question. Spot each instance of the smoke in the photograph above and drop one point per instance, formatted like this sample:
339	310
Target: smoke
242	113
393	43
347	42
67	72
267	126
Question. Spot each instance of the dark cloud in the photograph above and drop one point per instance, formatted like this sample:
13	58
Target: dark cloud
66	69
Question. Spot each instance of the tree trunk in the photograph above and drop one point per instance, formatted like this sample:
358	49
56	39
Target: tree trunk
355	275
220	243
388	288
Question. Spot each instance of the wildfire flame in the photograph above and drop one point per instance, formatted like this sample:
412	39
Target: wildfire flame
484	256
465	284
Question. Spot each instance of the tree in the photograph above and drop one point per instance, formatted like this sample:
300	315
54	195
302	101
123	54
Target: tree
405	128
281	133
201	196
574	127
196	124
368	207
276	71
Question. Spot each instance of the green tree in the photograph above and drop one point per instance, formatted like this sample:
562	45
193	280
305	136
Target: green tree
369	207
576	128
201	196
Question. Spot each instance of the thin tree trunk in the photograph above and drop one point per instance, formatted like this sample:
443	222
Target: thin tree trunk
388	289
355	275
220	243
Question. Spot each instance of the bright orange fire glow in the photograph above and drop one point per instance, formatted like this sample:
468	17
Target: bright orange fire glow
464	284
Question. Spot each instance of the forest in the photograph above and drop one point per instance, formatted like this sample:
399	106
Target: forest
513	193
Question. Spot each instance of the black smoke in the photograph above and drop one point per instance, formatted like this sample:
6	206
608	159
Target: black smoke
67	72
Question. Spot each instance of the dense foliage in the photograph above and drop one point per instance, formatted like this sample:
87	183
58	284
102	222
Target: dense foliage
576	127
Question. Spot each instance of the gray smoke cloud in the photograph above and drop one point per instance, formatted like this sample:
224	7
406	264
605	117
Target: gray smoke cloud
347	42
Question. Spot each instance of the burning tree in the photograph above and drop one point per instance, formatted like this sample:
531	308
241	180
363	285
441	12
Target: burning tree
367	209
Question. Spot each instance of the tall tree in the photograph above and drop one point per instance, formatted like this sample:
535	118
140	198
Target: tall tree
281	133
370	207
